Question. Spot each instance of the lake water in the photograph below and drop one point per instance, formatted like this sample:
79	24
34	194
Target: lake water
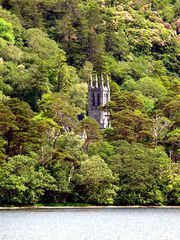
90	224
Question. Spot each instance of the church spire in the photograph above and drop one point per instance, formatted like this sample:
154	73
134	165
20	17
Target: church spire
107	81
96	81
101	81
90	82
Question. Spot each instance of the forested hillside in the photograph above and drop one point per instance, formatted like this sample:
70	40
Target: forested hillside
48	49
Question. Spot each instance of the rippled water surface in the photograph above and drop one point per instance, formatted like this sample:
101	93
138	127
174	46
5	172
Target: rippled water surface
90	224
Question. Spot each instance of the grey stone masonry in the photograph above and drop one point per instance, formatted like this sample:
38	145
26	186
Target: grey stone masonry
98	95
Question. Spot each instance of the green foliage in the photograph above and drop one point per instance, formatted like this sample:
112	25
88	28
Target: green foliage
174	186
71	144
15	27
27	12
133	126
78	95
48	49
38	42
23	181
57	106
173	140
62	167
151	88
143	174
90	131
97	182
2	148
102	148
6	30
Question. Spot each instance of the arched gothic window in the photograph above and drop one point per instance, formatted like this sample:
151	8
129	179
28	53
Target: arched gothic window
93	100
98	99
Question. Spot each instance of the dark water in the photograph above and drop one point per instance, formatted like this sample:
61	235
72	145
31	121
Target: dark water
90	224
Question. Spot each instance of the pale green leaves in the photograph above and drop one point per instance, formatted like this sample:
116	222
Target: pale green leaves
6	31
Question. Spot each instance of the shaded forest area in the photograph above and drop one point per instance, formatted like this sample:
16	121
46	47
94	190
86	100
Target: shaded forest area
48	49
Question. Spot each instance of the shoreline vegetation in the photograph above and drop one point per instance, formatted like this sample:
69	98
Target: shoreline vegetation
45	207
82	206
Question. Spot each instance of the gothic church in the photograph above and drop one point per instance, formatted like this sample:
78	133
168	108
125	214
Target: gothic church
98	95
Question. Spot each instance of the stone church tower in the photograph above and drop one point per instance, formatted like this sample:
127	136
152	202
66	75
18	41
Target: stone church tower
98	95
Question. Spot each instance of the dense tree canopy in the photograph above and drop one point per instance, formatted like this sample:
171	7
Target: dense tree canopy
48	49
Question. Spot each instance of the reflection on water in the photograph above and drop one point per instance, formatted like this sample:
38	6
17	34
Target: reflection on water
90	224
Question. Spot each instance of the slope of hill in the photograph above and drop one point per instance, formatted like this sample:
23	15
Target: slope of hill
48	49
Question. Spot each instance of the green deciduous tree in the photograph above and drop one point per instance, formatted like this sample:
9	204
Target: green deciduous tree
18	128
78	95
23	181
96	182
132	126
6	30
151	87
90	131
143	174
173	191
173	141
57	106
